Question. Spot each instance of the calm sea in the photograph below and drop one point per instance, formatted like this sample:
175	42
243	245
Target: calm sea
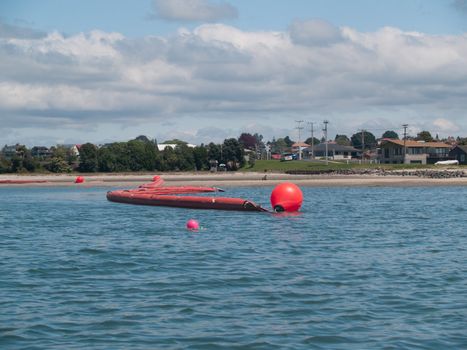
360	268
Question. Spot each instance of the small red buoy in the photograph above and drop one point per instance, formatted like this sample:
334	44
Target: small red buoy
286	197
79	180
192	225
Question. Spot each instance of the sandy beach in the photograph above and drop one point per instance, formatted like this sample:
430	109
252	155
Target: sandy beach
226	180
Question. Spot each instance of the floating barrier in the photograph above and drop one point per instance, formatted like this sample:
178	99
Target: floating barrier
192	202
175	196
21	182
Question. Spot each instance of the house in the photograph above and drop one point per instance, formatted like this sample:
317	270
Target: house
335	151
298	147
417	152
40	152
459	153
73	149
10	151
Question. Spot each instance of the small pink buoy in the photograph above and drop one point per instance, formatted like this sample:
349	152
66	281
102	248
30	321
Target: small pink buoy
192	225
286	197
79	180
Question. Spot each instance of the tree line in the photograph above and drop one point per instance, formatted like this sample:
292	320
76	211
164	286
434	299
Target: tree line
142	154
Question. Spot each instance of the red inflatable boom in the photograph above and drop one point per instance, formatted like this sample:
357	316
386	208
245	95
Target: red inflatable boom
154	194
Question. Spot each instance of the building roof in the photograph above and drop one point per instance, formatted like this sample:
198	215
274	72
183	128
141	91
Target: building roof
417	144
162	146
333	147
300	144
462	147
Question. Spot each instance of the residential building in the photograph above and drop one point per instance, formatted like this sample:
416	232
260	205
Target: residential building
299	146
335	151
417	152
73	149
459	153
40	152
9	151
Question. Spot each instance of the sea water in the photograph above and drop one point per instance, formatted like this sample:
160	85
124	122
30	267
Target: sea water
359	268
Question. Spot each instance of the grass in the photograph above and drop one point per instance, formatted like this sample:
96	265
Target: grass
278	166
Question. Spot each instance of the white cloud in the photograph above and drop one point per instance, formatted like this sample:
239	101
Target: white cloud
220	76
445	125
193	10
314	32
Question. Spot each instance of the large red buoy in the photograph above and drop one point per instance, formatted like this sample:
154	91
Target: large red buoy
286	197
79	180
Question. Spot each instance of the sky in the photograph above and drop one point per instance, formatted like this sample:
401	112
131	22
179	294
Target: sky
204	70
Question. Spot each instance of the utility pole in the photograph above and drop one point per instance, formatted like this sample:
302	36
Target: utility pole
312	140
299	127
325	130
405	139
363	143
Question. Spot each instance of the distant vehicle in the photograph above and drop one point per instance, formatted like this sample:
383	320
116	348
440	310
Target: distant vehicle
276	156
288	156
447	162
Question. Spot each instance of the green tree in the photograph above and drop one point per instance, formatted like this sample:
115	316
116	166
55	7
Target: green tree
58	165
201	159
88	158
170	159
114	157
233	154
214	152
143	138
424	136
342	140
288	141
315	141
135	151
369	140
5	165
390	134
185	158
23	160
278	146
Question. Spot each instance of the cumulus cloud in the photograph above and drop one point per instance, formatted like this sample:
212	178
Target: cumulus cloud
220	76
192	10
445	125
314	32
14	31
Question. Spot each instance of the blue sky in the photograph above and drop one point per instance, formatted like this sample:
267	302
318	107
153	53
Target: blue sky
131	17
203	70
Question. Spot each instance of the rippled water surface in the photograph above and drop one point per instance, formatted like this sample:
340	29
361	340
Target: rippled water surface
360	268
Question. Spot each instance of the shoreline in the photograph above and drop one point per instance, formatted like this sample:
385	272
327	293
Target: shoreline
226	180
